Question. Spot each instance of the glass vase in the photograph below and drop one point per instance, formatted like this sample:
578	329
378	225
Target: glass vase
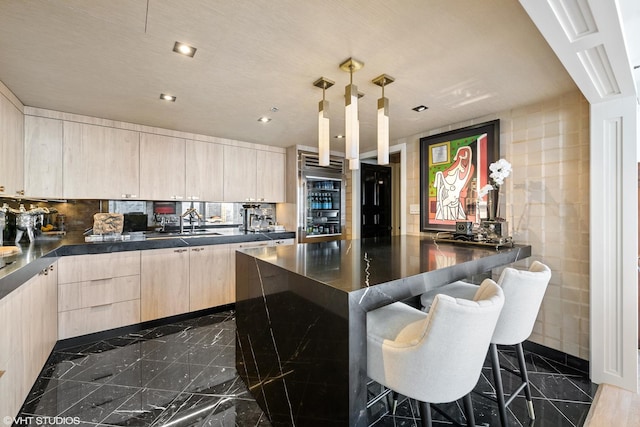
492	204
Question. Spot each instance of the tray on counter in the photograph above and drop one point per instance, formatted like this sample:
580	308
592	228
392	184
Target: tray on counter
508	243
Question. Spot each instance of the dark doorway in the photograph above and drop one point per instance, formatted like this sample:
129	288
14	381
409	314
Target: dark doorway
376	200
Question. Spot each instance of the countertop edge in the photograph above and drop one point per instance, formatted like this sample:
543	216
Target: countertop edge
74	245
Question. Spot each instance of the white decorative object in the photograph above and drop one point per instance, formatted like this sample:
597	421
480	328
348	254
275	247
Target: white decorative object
500	170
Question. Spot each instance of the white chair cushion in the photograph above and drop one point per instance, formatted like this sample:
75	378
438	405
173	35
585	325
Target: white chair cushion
459	289
397	323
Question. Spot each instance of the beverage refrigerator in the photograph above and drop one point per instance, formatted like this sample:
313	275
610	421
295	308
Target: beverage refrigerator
321	209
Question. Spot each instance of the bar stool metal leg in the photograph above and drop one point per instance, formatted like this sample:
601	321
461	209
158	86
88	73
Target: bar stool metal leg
525	379
468	410
425	414
497	379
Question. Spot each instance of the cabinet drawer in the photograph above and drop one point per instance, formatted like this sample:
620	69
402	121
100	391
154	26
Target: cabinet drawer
99	318
72	296
82	268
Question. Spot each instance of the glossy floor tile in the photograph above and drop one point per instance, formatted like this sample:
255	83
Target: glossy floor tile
562	397
184	374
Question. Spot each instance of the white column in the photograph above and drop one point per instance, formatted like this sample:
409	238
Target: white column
614	246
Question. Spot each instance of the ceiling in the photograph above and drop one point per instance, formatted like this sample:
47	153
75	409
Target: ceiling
112	59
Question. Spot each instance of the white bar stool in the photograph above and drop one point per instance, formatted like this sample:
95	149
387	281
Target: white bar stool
433	357
523	293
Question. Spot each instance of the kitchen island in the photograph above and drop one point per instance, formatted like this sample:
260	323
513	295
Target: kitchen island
301	316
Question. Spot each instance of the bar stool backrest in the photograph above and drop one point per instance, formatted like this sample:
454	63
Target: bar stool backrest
523	293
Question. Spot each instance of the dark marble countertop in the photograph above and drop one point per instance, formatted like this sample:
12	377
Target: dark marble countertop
352	265
42	252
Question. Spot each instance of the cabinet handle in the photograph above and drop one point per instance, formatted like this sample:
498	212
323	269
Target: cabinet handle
51	267
180	250
20	192
101	305
197	249
45	271
2	188
129	196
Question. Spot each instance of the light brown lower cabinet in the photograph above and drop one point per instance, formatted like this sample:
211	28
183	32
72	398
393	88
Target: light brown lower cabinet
104	291
164	284
28	333
98	292
211	277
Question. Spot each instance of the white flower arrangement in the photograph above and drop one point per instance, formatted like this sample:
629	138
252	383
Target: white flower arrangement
500	170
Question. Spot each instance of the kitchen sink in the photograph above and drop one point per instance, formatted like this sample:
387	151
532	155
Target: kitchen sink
184	234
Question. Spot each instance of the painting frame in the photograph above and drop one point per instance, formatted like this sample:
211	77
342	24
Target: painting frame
449	182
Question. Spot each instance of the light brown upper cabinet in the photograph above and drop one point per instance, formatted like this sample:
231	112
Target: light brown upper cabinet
43	157
100	162
11	149
162	167
253	174
205	171
239	173
270	169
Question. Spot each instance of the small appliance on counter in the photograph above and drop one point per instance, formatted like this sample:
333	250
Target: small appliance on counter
255	219
135	221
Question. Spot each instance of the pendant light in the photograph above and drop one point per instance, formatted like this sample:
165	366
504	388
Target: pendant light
352	124
383	120
324	144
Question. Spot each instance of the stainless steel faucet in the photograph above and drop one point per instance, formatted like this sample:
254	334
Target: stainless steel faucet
192	214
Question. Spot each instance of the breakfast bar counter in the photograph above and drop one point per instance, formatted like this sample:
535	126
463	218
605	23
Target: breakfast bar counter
301	316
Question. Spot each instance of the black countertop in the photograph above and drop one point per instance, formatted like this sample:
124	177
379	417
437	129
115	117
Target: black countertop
352	265
40	253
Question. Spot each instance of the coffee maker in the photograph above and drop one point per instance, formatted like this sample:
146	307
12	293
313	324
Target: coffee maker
248	216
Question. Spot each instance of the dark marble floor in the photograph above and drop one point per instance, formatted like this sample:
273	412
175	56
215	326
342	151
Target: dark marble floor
183	374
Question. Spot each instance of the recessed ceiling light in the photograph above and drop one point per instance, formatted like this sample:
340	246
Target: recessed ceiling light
420	108
264	119
274	109
166	97
184	49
